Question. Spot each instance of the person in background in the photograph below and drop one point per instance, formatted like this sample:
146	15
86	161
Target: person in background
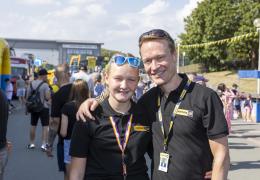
248	106
79	93
236	102
82	74
9	93
98	87
59	98
228	95
43	115
5	146
21	86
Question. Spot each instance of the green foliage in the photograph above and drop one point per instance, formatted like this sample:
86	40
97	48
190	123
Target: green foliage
214	20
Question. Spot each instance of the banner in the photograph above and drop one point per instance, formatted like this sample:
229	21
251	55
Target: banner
223	41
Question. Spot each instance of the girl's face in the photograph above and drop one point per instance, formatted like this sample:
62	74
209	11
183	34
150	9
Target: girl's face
122	82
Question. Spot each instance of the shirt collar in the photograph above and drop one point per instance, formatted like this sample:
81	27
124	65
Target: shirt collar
109	111
179	89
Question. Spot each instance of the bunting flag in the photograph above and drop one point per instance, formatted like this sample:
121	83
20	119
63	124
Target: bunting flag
223	41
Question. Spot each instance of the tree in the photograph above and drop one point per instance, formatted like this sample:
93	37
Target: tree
215	20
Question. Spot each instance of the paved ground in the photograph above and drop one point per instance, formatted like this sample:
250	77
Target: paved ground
244	143
27	164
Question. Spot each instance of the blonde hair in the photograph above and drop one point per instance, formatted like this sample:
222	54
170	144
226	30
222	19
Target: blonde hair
61	71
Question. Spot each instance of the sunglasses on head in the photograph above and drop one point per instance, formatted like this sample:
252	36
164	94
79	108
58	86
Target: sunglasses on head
120	60
156	33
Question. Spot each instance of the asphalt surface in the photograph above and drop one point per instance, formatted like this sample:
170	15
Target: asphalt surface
25	164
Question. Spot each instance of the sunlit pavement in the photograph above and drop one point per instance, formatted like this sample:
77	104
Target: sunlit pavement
244	144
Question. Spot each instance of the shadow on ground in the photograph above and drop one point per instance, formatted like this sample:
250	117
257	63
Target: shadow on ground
245	165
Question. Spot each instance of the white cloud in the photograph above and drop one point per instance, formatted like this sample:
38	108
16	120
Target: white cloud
70	11
38	2
187	9
95	9
155	7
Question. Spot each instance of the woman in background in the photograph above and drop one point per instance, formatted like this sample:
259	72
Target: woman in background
79	93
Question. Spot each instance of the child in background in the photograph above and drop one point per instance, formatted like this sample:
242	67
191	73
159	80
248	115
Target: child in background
248	108
98	87
79	93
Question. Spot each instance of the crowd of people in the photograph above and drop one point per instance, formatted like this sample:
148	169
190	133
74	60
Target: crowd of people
106	121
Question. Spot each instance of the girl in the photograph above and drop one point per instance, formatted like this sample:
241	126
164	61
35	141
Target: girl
113	146
79	92
248	108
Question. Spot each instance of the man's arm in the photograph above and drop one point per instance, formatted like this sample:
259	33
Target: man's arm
221	162
64	125
53	130
77	170
90	105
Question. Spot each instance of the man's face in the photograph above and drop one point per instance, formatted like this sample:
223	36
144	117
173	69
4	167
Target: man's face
159	62
122	82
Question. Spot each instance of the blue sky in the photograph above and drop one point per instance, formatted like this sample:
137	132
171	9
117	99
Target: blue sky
116	23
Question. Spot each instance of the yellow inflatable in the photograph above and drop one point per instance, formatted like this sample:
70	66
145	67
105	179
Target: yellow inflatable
5	62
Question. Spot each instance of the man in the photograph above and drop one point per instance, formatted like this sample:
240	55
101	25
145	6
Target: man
82	74
4	145
188	124
58	100
20	85
42	87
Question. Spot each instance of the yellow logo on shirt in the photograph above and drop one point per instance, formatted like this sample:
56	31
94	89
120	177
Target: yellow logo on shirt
184	112
141	128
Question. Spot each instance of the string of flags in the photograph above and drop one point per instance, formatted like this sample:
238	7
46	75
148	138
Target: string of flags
223	41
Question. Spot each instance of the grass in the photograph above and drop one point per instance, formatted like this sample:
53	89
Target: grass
229	77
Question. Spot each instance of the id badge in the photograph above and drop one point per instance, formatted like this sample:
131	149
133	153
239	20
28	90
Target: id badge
164	162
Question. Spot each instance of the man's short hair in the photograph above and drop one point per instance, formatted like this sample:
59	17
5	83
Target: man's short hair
157	34
61	70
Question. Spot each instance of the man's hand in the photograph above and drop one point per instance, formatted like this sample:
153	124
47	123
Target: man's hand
85	108
208	175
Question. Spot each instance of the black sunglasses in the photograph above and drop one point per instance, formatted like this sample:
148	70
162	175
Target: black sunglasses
156	33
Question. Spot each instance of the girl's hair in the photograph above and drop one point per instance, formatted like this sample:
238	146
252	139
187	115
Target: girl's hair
79	92
221	87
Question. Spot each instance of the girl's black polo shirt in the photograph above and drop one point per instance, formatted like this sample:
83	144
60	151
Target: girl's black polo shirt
201	118
96	141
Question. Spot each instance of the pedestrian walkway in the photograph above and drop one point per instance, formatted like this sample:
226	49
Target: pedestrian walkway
25	164
244	144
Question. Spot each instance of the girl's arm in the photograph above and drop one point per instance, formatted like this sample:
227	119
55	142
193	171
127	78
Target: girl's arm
77	169
64	125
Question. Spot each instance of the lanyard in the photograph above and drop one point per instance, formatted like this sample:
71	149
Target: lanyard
122	145
165	138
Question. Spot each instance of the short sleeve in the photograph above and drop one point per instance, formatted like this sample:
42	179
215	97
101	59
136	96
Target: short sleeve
214	119
65	109
46	88
80	139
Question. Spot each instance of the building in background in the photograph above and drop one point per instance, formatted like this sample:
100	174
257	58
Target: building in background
55	51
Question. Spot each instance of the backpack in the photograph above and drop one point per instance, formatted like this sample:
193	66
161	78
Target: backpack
34	103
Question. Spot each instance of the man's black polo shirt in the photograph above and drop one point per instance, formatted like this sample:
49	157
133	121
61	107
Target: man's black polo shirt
60	98
96	141
190	154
